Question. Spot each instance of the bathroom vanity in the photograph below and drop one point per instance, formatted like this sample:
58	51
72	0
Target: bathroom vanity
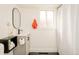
9	43
16	45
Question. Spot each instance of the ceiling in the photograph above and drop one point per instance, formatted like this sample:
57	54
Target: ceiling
54	6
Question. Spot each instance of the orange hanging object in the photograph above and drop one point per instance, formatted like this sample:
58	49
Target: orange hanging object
34	24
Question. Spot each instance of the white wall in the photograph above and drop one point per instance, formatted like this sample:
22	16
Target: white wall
6	28
42	40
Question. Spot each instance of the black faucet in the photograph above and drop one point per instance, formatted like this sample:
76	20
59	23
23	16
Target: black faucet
19	31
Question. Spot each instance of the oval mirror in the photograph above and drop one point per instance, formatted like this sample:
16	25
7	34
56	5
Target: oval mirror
16	18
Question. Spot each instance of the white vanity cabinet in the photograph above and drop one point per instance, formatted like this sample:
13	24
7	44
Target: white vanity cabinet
22	46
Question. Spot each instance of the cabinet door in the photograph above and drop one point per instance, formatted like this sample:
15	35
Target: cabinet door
20	49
